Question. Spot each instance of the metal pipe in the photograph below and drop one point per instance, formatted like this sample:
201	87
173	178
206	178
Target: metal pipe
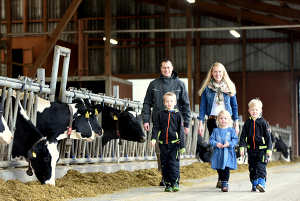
160	30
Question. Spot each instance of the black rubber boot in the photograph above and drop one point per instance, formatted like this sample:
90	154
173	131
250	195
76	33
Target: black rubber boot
162	183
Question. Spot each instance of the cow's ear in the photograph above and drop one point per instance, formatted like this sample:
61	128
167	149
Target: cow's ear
114	115
32	153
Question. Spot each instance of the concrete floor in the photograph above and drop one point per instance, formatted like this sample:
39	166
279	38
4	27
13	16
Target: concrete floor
283	183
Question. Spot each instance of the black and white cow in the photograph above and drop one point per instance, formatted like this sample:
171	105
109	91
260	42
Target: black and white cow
204	150
125	125
28	142
53	119
5	133
280	146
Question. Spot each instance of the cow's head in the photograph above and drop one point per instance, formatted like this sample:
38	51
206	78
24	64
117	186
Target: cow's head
130	125
280	146
5	133
43	157
81	125
94	110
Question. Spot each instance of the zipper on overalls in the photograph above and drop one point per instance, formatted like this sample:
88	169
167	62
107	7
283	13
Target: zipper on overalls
254	136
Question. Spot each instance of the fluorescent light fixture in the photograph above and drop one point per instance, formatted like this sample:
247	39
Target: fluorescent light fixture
235	34
112	41
191	1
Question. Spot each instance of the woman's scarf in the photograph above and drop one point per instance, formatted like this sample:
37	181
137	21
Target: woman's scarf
219	88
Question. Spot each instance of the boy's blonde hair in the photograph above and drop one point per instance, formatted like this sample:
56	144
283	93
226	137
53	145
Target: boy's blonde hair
226	78
227	114
255	102
170	94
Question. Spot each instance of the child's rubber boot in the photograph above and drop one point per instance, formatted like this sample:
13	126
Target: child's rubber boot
254	183
224	186
175	186
261	184
168	187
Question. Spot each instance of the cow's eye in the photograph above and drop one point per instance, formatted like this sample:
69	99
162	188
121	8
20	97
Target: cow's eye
47	159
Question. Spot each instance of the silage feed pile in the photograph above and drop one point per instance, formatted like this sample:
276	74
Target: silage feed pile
79	185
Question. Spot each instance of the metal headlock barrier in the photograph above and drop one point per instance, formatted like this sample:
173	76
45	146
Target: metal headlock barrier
83	152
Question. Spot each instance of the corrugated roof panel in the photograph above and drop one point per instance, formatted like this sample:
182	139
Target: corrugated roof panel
93	8
16	10
96	61
261	33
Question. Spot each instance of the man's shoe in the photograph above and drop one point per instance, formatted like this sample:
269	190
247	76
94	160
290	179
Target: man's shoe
175	187
162	183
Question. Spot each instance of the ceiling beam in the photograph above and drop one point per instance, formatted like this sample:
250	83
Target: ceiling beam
296	2
263	7
237	13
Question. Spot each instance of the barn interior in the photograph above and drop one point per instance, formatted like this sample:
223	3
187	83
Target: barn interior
121	40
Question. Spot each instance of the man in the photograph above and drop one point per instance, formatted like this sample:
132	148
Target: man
167	82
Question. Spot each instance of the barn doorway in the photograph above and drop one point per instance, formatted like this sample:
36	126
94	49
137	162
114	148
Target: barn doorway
17	57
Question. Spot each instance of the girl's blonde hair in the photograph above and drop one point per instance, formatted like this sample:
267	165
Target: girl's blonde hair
225	112
226	78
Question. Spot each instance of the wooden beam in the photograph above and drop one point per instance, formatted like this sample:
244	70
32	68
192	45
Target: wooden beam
293	102
54	37
107	49
237	13
167	26
25	16
198	59
45	37
263	7
189	52
244	106
137	68
9	39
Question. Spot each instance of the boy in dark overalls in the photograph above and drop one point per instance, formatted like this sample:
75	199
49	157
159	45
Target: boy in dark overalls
168	129
256	136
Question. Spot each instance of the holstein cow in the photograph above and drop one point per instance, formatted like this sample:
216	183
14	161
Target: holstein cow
280	146
28	142
204	150
5	133
125	125
54	119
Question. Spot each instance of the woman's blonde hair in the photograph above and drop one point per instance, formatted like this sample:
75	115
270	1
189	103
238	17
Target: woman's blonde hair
227	114
226	78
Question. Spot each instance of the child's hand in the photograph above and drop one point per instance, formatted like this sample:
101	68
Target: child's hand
242	152
219	145
269	154
152	143
226	144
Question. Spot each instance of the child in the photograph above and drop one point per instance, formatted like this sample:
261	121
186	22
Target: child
168	128
256	136
223	139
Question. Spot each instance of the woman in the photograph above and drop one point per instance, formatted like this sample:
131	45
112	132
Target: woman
218	93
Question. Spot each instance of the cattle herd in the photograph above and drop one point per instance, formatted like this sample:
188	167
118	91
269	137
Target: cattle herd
78	120
56	121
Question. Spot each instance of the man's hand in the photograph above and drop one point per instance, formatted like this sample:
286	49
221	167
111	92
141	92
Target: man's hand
186	130
200	129
146	126
236	127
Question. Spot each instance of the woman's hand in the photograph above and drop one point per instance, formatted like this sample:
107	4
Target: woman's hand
200	128
236	127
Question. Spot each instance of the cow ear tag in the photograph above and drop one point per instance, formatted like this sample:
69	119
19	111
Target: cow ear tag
115	117
87	115
33	154
96	112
